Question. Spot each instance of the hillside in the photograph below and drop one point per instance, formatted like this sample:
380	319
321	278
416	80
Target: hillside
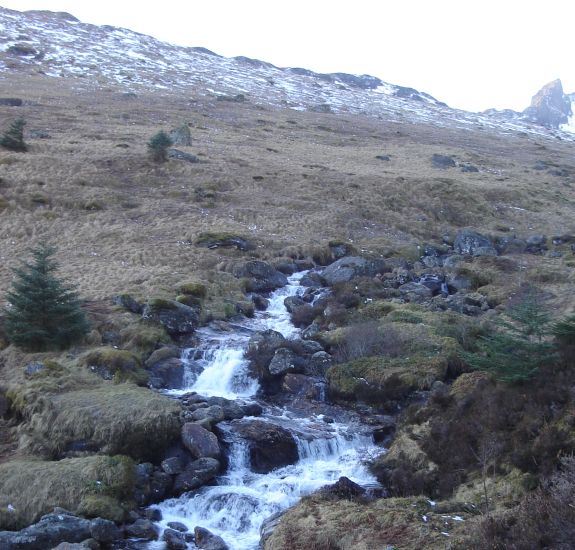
302	168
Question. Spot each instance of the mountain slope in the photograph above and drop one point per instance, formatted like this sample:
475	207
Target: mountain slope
59	45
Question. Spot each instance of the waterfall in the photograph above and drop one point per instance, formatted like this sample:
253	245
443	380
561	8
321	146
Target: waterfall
242	500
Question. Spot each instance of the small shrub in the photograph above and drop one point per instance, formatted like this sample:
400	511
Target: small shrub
13	138
158	146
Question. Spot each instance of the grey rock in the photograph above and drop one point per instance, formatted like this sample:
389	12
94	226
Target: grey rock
229	241
200	442
174	540
173	465
311	331
104	530
33	368
261	276
181	136
469	168
550	107
268	527
442	161
471	243
318	364
177	526
160	485
284	360
293	302
415	292
208	541
181	155
196	474
142	529
167	373
346	269
536	243
127	301
511	245
266	341
11	101
270	446
215	413
177	318
51	530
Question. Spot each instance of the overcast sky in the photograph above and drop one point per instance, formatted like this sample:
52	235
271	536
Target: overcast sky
472	54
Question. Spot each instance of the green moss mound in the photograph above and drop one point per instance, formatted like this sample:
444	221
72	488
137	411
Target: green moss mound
34	487
115	364
115	418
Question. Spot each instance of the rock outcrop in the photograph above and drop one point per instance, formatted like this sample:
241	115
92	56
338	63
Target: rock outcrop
550	106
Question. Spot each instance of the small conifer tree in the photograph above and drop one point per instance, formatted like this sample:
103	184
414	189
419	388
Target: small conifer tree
44	313
158	146
13	138
516	348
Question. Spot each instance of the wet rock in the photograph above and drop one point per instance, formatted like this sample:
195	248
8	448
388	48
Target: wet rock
260	302
142	529
311	331
153	514
174	540
177	318
252	409
214	413
471	243
167	373
200	442
442	161
261	276
344	488
318	364
300	386
293	302
346	269
283	361
208	541
177	526
104	530
160	485
196	474
311	280
270	446
268	527
286	267
51	530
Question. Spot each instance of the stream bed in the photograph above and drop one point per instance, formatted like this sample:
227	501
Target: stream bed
237	505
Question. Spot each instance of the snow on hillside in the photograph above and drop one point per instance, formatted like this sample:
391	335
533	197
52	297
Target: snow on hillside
58	45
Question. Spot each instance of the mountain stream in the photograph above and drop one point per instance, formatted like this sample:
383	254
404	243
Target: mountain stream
241	500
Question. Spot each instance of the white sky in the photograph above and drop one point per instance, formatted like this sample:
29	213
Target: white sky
472	54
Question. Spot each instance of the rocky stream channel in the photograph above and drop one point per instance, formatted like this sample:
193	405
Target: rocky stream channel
257	486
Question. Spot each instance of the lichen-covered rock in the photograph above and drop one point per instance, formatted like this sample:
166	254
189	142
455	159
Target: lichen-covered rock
177	318
350	267
471	243
283	361
260	276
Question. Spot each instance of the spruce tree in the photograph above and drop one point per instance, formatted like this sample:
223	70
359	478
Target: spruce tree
13	138
516	348
158	146
44	313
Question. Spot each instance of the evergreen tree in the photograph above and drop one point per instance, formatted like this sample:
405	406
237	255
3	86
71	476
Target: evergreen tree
13	138
44	312
158	146
516	349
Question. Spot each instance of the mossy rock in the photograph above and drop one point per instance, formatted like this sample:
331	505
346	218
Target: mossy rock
189	300
115	418
143	337
97	486
115	364
379	380
193	288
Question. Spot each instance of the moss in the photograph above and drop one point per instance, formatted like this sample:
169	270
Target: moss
377	309
192	288
116	418
156	304
404	316
117	364
35	487
189	300
143	337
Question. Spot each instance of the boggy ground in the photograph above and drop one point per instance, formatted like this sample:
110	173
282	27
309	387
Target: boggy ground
289	182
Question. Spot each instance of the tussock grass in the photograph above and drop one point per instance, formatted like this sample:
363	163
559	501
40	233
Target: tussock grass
124	224
34	487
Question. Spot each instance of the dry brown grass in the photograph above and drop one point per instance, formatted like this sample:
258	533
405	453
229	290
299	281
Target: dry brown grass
123	224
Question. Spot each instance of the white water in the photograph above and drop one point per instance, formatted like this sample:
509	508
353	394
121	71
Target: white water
240	502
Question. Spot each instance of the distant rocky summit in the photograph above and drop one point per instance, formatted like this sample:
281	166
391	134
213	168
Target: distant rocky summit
550	106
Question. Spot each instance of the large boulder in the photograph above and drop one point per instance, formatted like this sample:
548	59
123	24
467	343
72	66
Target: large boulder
165	368
206	540
270	446
350	267
181	136
196	474
471	243
199	441
177	318
261	276
50	531
283	361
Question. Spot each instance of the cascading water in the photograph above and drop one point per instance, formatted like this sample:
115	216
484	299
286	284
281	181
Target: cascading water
242	500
